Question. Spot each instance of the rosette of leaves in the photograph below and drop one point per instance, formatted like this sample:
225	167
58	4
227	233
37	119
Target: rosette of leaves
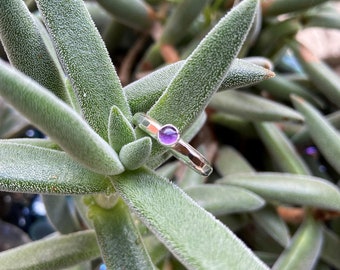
124	210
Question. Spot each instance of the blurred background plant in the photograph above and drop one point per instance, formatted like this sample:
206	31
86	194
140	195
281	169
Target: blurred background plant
274	143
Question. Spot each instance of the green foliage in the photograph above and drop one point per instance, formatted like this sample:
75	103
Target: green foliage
85	61
55	253
25	47
136	153
305	244
119	238
108	189
140	189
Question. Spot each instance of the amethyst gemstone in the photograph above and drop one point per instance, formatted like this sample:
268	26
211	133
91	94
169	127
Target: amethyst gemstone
168	135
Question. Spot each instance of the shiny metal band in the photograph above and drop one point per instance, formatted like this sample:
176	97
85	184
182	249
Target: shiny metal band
168	136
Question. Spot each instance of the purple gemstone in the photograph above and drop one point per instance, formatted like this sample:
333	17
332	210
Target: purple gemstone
168	135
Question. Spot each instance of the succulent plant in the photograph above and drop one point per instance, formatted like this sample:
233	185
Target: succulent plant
114	194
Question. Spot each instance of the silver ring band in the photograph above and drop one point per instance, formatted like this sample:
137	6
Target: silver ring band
168	136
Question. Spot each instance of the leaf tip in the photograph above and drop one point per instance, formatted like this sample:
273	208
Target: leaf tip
296	99
270	74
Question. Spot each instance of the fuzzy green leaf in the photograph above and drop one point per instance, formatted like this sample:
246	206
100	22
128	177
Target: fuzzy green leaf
268	219
182	225
53	253
325	136
304	249
251	107
118	238
120	130
222	200
143	93
85	60
289	188
44	143
243	73
136	153
281	149
229	161
26	49
25	168
58	121
201	75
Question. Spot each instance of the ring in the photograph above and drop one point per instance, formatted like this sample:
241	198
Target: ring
169	136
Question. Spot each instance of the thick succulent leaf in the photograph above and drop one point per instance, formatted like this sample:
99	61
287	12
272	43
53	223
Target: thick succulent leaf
269	220
322	76
282	87
157	251
302	137
181	19
277	7
136	13
330	248
168	169
192	88
44	143
53	253
26	49
189	178
11	122
222	200
136	153
325	136
61	213
143	93
74	102
243	73
229	161
233	122
289	188
252	107
85	60
25	168
182	225
120	130
328	19
48	43
304	249
58	121
281	149
118	238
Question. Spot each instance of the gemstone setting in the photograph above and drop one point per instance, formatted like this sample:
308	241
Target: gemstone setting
168	135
